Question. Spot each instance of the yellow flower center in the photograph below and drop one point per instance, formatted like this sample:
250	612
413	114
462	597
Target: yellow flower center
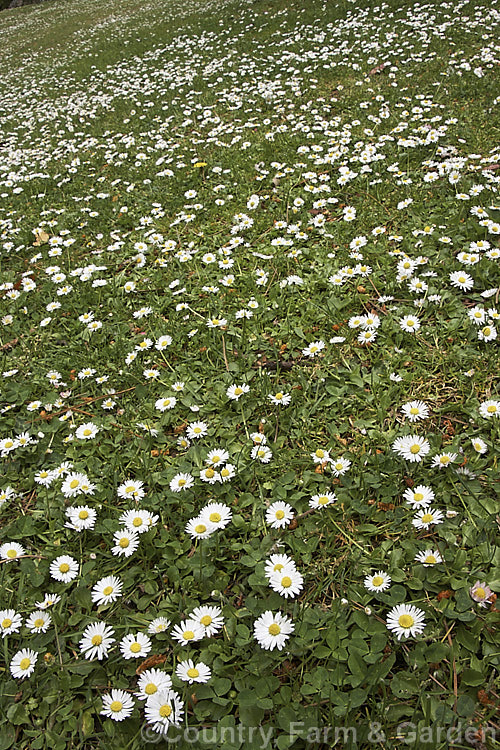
130	489
182	482
197	430
200	528
405	621
274	629
444	460
280	514
188	635
278	396
491	409
124	542
150	688
377	581
209	473
224	473
165	710
418	497
6	623
238	391
314	349
44	474
63	567
9	443
415	448
339	466
410	323
486	330
414	410
116	706
25	663
87	432
480	592
193	672
74	483
11	553
137	521
430	559
427	518
286	582
206	620
96	640
39	622
215	459
107	590
319	453
322	500
261	452
215	517
83	514
135	647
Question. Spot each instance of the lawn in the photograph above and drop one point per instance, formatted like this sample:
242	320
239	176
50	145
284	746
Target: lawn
250	293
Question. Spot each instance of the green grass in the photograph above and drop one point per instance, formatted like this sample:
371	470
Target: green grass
131	105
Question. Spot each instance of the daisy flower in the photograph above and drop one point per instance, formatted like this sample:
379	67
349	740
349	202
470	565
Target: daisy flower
188	671
428	557
10	622
74	484
187	632
490	409
378	582
415	410
217	515
288	582
420	496
158	625
261	453
131	488
210	475
443	459
461	280
479	445
279	515
196	430
162	404
38	622
277	563
216	457
11	551
409	323
64	568
80	518
163	709
181	482
320	456
49	600
280	399
23	663
481	593
319	501
87	431
427	517
340	465
258	438
135	646
117	705
210	618
272	630
107	590
405	620
411	447
138	521
199	528
227	473
313	349
150	682
234	392
126	542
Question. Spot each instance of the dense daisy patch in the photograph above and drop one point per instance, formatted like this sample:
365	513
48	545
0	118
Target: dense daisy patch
249	373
